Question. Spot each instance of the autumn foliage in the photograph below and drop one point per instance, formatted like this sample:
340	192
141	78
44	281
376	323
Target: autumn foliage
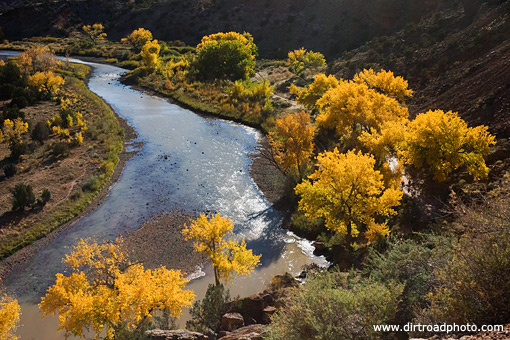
299	60
349	194
138	38
47	82
9	316
292	143
213	236
105	291
94	32
441	142
150	54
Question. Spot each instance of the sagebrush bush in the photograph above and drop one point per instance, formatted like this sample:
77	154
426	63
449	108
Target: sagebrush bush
335	306
410	263
60	150
9	169
22	196
473	285
41	132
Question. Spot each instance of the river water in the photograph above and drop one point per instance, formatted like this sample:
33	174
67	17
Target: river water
187	162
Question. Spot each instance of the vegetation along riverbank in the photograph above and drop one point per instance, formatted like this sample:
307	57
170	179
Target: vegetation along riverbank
65	142
392	156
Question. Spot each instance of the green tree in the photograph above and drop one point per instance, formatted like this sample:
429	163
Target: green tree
206	314
228	256
226	55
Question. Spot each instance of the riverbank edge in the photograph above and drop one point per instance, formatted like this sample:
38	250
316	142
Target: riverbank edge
22	255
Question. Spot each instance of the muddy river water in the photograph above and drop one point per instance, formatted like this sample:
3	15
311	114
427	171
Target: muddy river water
186	162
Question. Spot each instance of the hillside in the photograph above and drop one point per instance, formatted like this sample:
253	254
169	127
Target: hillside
330	27
451	62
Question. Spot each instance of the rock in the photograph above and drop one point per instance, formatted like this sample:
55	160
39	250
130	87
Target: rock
253	306
251	332
267	313
177	334
248	320
231	321
283	281
320	248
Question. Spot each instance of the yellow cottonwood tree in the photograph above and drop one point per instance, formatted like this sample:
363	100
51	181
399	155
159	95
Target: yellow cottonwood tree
308	96
441	142
228	256
9	315
356	107
13	130
299	60
37	59
104	291
150	54
46	82
386	82
349	194
138	38
292	143
94	32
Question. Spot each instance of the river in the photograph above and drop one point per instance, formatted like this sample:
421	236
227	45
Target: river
187	162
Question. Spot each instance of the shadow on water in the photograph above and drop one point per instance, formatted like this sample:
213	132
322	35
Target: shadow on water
187	162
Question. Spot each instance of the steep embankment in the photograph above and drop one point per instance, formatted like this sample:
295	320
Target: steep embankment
323	25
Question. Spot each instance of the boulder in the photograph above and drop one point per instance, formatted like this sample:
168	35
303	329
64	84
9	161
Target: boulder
231	321
177	334
251	332
320	248
267	313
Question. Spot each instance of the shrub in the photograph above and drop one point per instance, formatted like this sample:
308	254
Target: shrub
23	196
299	60
60	150
206	314
12	112
473	286
17	149
9	169
130	64
41	132
20	102
45	196
92	184
335	306
6	91
410	263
